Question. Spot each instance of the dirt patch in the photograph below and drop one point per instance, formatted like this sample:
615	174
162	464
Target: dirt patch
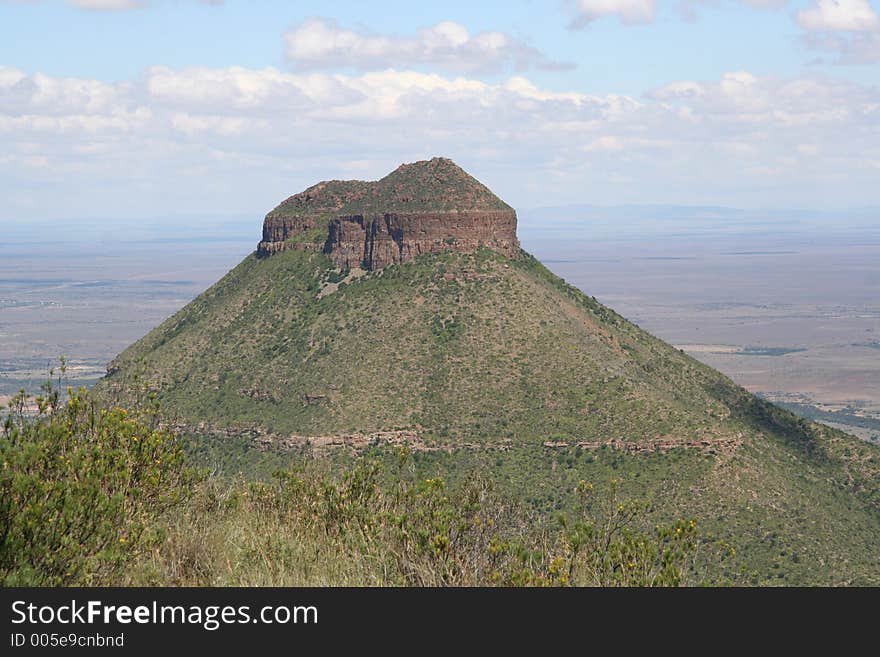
353	275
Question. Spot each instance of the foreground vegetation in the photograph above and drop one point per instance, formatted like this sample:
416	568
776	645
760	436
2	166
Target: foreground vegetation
92	496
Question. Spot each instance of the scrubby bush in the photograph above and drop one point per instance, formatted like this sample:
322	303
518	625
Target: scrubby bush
81	488
311	527
103	496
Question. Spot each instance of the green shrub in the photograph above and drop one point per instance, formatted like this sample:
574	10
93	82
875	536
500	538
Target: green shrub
102	496
80	487
316	235
310	527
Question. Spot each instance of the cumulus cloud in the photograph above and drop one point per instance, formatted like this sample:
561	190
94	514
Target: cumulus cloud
742	99
242	138
839	15
237	90
630	12
320	43
45	95
849	29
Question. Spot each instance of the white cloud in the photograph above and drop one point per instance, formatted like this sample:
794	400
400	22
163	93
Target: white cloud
614	143
856	48
319	43
839	15
239	138
107	5
765	4
850	29
224	126
743	99
56	96
630	12
682	89
10	76
237	89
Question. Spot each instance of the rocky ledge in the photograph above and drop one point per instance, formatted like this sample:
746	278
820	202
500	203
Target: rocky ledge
423	207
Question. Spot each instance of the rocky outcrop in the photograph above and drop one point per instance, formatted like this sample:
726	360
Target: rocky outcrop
282	232
424	207
280	228
376	241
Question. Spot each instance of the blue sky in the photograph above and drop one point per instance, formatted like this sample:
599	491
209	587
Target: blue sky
125	108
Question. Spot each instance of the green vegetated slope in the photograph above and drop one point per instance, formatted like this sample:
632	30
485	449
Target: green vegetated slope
500	353
475	348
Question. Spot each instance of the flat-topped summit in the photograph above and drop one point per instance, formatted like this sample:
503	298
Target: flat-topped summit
422	207
435	185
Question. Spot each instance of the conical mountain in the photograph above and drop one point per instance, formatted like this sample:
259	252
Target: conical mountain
404	310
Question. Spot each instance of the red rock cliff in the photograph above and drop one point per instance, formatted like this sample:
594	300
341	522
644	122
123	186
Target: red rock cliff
424	207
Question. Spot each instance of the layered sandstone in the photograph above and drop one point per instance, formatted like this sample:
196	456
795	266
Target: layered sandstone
424	207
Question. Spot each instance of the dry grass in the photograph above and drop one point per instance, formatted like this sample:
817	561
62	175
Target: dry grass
309	530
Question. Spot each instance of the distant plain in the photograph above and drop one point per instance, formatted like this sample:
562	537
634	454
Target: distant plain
785	303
